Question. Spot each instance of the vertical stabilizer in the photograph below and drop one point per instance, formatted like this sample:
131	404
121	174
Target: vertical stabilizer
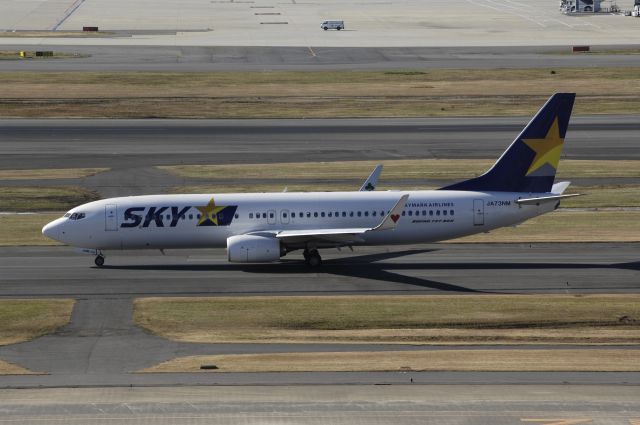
530	163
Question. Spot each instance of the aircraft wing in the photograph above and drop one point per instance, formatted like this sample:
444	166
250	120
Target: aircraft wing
344	235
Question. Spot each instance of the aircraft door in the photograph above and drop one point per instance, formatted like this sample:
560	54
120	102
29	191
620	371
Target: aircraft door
478	212
271	217
111	217
284	216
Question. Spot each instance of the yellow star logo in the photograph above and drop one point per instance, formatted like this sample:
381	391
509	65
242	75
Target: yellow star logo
209	213
547	150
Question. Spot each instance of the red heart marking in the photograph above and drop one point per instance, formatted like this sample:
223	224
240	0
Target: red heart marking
395	217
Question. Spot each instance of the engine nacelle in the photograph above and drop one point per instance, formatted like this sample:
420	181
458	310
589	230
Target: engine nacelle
253	249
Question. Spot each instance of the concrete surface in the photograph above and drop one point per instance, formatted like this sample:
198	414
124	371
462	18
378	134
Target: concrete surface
297	23
409	404
309	58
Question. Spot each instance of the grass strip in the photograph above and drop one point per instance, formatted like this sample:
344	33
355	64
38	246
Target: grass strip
23	320
567	226
395	319
44	198
7	368
410	169
593	360
321	94
25	229
50	173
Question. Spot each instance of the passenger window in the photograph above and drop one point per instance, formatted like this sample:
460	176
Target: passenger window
451	212
270	215
381	213
264	215
404	213
431	212
438	212
322	214
444	212
373	213
337	214
293	215
424	212
410	212
284	215
329	214
366	213
359	213
315	214
351	214
250	215
308	215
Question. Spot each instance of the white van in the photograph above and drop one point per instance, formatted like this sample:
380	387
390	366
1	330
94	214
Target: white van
332	25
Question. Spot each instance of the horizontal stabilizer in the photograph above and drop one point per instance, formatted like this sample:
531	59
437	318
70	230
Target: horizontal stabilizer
543	199
560	187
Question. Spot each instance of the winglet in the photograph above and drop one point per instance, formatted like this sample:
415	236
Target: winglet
390	220
372	181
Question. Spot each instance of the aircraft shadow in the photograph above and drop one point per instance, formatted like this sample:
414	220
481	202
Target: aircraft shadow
368	267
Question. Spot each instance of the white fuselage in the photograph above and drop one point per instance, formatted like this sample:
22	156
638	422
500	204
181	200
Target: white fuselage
172	221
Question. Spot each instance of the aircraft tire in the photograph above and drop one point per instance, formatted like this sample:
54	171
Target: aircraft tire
99	261
314	259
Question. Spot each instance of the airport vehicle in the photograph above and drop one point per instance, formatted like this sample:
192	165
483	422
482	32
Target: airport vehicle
636	9
332	25
263	227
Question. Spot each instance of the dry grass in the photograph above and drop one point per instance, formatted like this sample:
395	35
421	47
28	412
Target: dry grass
604	196
396	319
25	229
312	94
50	173
43	198
567	226
411	169
22	320
593	360
7	368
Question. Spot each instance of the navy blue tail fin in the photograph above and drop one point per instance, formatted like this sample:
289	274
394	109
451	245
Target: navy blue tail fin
530	163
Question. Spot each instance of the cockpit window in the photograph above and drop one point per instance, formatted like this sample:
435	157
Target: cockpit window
76	216
67	215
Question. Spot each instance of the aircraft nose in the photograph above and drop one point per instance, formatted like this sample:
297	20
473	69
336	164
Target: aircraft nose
53	230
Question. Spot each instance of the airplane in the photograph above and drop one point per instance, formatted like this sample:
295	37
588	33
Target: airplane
264	227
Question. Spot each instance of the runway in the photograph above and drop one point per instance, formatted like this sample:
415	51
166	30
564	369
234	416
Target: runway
137	144
402	405
423	269
308	58
101	346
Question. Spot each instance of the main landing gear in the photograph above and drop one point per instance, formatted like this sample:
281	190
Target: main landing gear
99	260
312	258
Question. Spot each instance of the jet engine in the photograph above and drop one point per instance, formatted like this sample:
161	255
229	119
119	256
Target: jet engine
253	249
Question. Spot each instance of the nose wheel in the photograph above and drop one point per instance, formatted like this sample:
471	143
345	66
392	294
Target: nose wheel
312	258
99	260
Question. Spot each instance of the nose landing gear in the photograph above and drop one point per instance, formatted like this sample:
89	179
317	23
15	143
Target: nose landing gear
99	260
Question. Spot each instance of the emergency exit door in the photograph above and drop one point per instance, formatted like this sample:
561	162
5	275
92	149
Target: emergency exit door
111	217
478	212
